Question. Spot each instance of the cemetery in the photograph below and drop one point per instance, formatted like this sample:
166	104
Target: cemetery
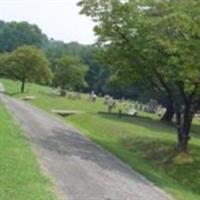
100	100
102	124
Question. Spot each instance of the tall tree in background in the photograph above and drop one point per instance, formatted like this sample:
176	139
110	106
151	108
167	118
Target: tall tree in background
55	50
157	44
15	34
27	64
96	75
3	58
70	73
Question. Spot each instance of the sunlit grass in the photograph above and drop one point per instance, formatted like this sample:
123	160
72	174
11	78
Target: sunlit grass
143	142
20	174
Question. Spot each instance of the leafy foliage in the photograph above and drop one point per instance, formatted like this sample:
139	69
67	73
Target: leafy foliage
155	44
15	34
27	63
70	73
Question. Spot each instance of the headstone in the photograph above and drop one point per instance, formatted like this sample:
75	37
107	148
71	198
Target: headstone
136	105
152	106
63	92
132	112
106	99
78	95
160	111
93	96
111	104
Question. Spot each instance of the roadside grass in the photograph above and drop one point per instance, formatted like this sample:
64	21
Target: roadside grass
143	142
20	176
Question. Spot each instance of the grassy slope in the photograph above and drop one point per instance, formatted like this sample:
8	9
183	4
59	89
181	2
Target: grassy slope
20	177
143	142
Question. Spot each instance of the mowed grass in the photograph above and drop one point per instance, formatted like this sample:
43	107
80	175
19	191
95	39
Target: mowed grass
143	142
20	174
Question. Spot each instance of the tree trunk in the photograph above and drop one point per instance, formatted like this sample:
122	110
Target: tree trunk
23	85
63	93
120	113
184	123
168	116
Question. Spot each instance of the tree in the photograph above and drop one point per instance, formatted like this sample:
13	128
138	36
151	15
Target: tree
27	64
3	58
70	73
96	75
2	24
15	34
54	50
157	44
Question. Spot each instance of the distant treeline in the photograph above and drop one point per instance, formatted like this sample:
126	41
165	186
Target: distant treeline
98	76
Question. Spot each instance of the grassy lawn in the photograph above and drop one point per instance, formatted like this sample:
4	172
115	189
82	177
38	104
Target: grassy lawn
143	142
20	177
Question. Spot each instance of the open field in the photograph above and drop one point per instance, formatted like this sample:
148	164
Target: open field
20	177
143	142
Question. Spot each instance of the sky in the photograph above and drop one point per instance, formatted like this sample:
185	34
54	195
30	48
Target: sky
59	19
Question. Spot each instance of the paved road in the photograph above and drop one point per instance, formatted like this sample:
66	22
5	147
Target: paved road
80	170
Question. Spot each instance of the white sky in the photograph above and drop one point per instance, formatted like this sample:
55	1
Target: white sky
59	19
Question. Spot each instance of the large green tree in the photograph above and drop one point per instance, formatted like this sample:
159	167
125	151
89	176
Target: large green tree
96	76
155	43
2	64
27	64
15	34
70	73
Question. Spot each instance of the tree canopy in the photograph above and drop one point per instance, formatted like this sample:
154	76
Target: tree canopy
154	43
70	73
15	34
27	63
